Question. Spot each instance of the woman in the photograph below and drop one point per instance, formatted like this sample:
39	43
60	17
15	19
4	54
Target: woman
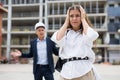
75	39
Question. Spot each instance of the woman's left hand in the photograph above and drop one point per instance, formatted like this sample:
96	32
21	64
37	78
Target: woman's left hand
83	13
83	16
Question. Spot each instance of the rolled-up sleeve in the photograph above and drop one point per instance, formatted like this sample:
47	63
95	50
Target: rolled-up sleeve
91	34
59	42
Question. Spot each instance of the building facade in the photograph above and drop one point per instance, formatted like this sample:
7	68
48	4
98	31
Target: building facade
2	11
114	29
18	25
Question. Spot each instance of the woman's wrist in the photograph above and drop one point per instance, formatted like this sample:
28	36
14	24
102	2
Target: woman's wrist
65	25
83	20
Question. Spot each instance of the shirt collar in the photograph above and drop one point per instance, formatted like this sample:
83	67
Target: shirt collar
77	30
42	40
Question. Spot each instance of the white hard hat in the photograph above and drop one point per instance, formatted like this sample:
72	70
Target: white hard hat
39	24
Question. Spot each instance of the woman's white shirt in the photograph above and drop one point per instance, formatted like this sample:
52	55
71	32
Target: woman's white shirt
75	44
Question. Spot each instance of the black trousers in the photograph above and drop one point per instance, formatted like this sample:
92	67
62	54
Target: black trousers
43	71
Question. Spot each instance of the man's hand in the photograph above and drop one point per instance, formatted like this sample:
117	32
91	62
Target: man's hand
16	53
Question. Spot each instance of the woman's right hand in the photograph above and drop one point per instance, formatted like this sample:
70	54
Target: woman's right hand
63	29
67	18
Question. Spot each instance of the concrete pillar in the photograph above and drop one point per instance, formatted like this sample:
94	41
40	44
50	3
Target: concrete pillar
41	11
9	25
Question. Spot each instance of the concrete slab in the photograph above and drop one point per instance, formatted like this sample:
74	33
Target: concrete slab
24	72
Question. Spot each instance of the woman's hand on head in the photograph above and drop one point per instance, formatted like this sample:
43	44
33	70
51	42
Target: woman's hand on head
67	18
83	13
83	16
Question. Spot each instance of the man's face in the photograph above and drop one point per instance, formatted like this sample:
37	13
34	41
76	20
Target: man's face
40	32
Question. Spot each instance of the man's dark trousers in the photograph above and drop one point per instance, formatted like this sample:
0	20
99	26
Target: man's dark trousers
43	71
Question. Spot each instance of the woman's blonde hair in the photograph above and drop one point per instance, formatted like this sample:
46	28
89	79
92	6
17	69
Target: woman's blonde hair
77	7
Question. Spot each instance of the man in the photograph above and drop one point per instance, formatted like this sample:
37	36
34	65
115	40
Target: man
41	50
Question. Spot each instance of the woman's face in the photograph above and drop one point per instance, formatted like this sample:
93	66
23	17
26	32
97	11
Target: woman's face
75	20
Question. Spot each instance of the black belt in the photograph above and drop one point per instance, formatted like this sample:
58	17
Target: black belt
74	58
42	65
